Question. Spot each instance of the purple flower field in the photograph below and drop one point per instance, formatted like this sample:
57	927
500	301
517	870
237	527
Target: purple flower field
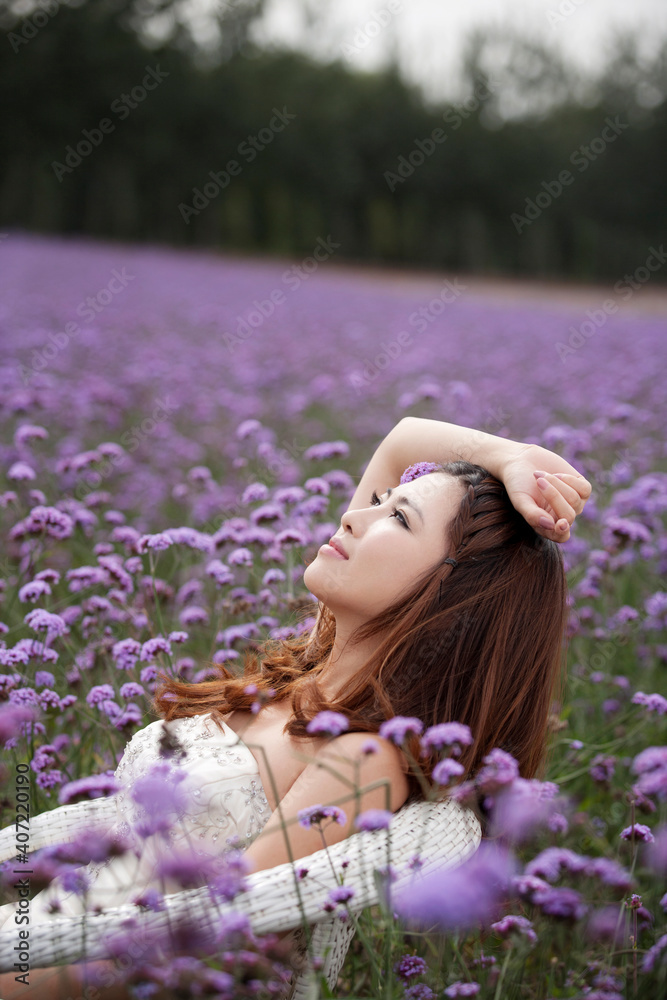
180	433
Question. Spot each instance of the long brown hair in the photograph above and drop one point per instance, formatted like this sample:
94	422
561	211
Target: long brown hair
480	642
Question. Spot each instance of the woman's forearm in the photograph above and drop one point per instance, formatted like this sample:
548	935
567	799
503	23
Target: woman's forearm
419	439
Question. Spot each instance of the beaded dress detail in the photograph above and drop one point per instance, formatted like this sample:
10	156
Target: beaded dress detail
221	804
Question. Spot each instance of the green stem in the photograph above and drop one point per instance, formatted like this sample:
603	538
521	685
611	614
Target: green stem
497	995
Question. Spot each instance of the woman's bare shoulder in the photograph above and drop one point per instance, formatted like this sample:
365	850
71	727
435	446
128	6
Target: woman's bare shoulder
373	758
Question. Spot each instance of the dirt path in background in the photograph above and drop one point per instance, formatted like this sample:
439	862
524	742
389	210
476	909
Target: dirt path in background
649	298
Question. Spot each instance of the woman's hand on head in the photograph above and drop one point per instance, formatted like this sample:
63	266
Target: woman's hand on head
548	502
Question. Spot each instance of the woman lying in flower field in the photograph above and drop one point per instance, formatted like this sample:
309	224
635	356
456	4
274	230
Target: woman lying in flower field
442	605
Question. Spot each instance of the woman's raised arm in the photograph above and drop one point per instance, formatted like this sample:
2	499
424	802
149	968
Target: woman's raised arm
549	503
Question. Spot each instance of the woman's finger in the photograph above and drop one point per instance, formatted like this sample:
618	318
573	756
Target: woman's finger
567	490
579	483
563	511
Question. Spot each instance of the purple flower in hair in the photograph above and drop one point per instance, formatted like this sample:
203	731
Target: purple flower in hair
416	470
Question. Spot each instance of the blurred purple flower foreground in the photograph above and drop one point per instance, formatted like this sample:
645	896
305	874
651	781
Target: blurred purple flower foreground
462	897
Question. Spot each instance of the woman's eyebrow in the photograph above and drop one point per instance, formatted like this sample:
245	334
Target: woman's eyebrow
406	500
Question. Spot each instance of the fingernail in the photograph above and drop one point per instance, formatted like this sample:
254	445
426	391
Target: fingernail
563	527
540	474
546	522
543	484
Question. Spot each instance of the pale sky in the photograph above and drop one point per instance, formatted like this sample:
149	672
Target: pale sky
428	35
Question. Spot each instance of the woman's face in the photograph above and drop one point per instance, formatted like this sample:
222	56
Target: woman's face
385	558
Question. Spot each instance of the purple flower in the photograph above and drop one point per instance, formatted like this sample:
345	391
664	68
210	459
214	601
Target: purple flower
331	723
178	637
14	718
374	819
99	693
131	690
152	647
341	894
602	768
416	470
160	795
651	765
43	621
512	924
452	734
500	769
638	832
162	540
185	868
21	471
609	872
419	991
564	904
652	954
75	880
445	770
549	863
397	728
460	989
126	653
410	966
150	899
460	897
193	615
520	808
314	815
33	591
652	702
44	678
326	449
656	853
228	882
91	787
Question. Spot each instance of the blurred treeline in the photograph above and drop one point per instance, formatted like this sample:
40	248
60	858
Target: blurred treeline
64	67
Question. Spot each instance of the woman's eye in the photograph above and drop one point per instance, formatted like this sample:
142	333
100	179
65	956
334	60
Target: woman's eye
396	512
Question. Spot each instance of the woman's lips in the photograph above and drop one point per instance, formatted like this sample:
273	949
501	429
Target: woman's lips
334	548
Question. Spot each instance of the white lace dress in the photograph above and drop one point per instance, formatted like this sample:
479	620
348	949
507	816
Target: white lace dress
223	806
